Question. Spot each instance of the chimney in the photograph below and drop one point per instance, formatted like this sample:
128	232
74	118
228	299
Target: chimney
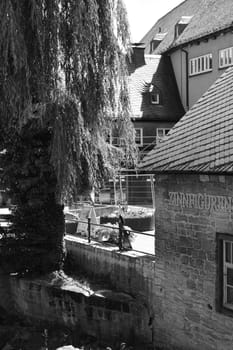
137	56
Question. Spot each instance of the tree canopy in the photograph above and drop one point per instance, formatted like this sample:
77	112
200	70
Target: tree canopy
63	88
62	67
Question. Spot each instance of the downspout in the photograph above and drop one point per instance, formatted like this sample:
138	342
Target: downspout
187	77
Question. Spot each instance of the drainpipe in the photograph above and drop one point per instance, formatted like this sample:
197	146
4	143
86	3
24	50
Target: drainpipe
187	77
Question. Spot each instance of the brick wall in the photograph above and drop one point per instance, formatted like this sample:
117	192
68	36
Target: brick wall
188	218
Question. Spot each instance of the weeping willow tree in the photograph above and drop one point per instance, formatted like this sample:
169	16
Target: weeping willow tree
63	88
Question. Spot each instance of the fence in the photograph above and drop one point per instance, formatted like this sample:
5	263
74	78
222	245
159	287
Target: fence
118	234
131	189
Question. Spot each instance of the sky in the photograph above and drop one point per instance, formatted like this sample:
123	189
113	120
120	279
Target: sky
143	14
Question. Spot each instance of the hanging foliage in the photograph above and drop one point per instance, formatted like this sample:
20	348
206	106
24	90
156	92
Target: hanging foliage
63	87
62	63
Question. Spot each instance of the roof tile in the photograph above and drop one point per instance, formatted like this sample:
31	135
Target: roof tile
203	22
158	72
203	138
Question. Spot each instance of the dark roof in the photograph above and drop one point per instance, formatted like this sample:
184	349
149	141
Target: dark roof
209	16
202	141
158	73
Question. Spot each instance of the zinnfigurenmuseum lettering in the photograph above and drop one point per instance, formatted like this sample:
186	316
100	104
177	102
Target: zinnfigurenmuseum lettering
201	201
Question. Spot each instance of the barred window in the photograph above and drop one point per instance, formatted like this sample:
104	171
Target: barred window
201	64
226	57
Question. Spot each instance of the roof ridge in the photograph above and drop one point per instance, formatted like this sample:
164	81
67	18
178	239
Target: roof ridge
176	43
203	23
166	14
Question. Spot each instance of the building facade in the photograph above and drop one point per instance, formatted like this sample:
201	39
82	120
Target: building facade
199	41
193	171
194	261
154	97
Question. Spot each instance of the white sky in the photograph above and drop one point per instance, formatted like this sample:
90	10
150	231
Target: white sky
142	14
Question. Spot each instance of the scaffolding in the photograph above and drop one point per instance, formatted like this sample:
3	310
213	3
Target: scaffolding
128	189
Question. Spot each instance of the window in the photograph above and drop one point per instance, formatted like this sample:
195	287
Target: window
200	64
181	25
161	133
154	98
225	274
154	94
228	274
226	57
156	41
139	136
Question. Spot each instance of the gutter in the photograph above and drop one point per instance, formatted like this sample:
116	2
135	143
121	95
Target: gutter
187	77
183	172
173	46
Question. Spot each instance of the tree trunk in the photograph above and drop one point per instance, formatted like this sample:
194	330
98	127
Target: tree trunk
38	220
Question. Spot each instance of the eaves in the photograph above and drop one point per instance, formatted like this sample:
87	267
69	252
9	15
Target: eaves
195	40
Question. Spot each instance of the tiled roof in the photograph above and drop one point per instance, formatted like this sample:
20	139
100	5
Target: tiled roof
209	16
158	72
202	141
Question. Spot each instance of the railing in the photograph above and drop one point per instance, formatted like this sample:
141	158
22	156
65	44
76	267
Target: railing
123	240
146	144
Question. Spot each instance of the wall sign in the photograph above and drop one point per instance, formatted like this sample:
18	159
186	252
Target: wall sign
201	201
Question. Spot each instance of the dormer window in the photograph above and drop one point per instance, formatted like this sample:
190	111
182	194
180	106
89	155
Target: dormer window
181	25
156	41
155	98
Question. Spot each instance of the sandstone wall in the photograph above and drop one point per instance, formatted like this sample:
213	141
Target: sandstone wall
176	294
187	224
105	315
180	286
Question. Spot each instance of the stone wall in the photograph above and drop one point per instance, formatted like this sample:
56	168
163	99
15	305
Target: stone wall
180	286
190	211
128	272
6	299
175	295
104	314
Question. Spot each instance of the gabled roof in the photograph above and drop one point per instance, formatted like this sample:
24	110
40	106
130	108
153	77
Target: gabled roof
157	72
202	141
209	16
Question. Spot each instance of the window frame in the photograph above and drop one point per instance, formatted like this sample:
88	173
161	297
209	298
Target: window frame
227	55
159	138
227	265
201	64
140	136
221	300
155	101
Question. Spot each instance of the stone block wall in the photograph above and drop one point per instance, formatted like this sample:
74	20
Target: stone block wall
176	293
105	315
190	211
180	286
130	272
